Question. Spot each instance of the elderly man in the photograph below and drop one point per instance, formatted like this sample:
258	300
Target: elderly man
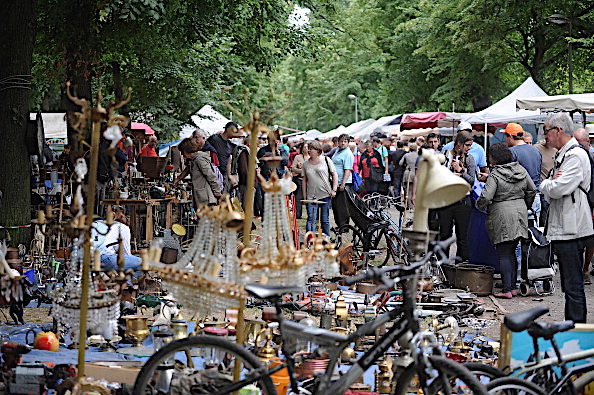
583	138
149	148
570	216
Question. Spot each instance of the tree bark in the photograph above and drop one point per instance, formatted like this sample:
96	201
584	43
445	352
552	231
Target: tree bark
17	36
79	40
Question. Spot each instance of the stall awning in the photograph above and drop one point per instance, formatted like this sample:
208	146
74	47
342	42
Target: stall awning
582	102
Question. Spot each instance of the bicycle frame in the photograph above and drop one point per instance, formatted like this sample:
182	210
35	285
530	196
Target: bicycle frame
406	323
567	373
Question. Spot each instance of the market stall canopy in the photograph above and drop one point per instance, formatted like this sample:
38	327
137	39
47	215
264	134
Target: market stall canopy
582	102
414	133
351	130
504	110
428	119
207	119
139	125
54	124
376	126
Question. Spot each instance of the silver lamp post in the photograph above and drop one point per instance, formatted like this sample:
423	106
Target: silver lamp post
353	97
560	19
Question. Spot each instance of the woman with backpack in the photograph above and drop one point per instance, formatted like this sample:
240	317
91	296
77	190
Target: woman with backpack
206	188
508	193
462	164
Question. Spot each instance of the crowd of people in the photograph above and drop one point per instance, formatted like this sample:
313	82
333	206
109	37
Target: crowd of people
518	185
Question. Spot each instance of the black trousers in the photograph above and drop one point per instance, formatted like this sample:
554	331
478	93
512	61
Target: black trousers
456	214
340	207
570	254
298	196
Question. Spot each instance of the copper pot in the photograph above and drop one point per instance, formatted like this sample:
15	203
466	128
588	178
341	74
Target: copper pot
425	284
311	367
366	288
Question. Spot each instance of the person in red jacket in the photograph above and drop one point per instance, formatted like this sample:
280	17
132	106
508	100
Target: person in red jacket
149	148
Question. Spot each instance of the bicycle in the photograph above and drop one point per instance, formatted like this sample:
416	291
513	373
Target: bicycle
538	375
375	237
420	353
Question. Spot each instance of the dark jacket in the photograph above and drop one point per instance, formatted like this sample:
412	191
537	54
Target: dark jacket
265	170
509	192
394	160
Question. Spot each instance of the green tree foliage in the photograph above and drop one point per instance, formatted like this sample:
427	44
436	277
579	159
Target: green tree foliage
176	55
425	55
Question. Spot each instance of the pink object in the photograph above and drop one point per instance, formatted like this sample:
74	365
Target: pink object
139	125
421	120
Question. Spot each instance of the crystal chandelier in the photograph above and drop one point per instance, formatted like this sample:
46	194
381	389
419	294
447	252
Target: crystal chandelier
103	303
206	276
277	261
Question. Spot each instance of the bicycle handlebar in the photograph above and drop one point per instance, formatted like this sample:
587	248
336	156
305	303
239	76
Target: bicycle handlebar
379	274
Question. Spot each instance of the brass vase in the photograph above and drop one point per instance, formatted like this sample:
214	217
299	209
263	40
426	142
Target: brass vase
137	328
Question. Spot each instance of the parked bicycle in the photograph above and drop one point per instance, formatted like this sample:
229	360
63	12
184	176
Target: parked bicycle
538	375
205	363
375	237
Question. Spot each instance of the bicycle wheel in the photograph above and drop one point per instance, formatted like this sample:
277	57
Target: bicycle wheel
396	249
513	386
348	234
448	377
485	373
199	365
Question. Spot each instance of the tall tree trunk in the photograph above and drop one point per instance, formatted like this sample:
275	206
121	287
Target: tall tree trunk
77	27
17	36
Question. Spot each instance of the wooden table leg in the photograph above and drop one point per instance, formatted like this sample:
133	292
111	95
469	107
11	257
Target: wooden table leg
133	222
169	215
149	223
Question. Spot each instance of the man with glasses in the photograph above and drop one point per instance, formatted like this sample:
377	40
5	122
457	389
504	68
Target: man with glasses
570	217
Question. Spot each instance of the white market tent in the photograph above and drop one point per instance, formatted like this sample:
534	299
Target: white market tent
54	124
504	110
365	131
351	130
584	102
207	119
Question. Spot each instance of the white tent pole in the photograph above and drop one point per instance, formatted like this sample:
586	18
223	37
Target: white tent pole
486	143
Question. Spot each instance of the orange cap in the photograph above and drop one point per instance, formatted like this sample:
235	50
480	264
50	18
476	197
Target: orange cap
513	129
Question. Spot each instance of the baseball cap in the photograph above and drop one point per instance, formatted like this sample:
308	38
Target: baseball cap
513	129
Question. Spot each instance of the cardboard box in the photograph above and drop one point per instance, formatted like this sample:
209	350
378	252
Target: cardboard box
114	371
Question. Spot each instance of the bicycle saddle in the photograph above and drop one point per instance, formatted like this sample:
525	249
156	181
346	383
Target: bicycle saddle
517	322
269	291
546	330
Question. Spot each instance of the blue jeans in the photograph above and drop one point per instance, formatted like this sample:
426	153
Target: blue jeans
312	216
508	264
110	262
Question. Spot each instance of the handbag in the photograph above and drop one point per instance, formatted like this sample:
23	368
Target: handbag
377	174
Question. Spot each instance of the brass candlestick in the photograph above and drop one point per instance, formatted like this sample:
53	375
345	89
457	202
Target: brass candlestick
79	121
